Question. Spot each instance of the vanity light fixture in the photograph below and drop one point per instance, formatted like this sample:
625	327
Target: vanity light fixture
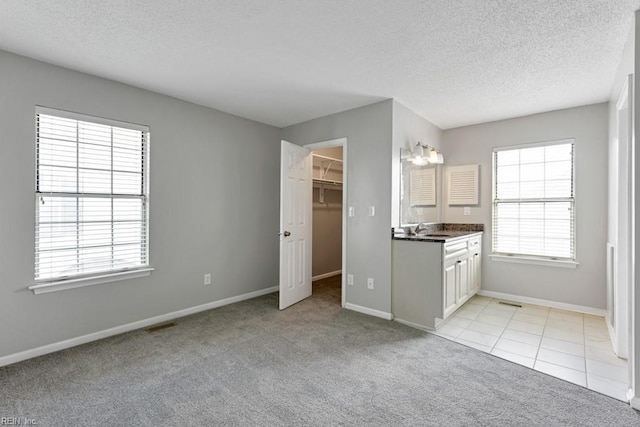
424	154
419	157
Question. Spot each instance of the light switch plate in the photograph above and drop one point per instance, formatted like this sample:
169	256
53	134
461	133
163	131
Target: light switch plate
351	211
372	211
350	279
369	283
467	210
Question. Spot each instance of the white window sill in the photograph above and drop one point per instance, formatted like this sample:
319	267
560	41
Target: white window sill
62	285
535	261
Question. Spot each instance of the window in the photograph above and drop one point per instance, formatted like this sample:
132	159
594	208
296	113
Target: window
533	201
91	196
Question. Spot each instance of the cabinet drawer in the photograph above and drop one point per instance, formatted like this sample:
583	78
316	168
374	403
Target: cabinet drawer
455	249
474	242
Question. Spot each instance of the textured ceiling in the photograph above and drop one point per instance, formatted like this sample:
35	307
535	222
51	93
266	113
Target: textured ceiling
455	62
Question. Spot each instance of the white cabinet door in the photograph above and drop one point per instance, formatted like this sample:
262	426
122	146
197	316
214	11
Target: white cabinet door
476	272
449	289
472	274
462	276
475	260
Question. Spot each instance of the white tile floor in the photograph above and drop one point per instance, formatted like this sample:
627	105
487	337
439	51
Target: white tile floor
572	346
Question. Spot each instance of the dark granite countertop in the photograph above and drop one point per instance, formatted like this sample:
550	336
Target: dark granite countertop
437	237
439	233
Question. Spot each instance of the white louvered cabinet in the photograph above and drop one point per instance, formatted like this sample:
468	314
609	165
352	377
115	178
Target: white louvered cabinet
462	185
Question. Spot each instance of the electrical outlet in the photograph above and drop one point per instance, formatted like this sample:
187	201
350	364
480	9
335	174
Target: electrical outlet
352	211
372	211
207	279
350	279
467	210
369	283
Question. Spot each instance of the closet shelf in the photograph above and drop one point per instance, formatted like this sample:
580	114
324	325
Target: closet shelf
319	159
327	169
326	181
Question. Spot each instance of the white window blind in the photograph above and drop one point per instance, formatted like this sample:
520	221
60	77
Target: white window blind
91	196
533	200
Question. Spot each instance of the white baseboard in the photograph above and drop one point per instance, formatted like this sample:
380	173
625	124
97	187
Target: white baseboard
613	336
325	275
545	303
413	325
369	311
50	348
634	401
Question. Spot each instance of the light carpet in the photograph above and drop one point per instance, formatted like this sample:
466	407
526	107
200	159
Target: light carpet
312	364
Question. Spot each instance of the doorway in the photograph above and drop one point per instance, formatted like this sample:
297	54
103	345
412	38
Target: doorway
300	190
332	144
327	210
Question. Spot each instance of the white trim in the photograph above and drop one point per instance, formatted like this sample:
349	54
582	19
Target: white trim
517	259
345	209
61	285
89	118
414	325
369	311
545	303
327	144
535	144
72	342
339	142
613	336
634	401
325	275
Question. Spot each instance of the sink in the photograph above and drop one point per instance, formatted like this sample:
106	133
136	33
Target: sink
453	233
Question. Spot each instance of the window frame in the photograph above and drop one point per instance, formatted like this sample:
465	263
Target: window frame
549	260
51	284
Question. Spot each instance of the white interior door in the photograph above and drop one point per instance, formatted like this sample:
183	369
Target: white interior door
296	188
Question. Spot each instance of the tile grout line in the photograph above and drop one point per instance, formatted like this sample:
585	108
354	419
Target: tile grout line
546	320
473	321
502	333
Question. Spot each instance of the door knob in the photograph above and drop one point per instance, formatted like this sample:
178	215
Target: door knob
286	234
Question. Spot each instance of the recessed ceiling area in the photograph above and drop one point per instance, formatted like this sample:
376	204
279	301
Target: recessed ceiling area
454	62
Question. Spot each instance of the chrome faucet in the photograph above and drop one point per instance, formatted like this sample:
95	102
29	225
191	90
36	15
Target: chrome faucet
420	227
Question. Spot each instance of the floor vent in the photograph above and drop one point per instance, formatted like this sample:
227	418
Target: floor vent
510	303
161	327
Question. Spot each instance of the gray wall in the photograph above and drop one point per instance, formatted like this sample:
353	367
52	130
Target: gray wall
408	129
368	133
327	232
212	175
586	284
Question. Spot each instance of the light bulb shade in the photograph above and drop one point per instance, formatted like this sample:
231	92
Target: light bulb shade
418	155
420	161
433	156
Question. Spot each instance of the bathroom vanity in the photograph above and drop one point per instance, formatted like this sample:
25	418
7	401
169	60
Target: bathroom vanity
435	273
